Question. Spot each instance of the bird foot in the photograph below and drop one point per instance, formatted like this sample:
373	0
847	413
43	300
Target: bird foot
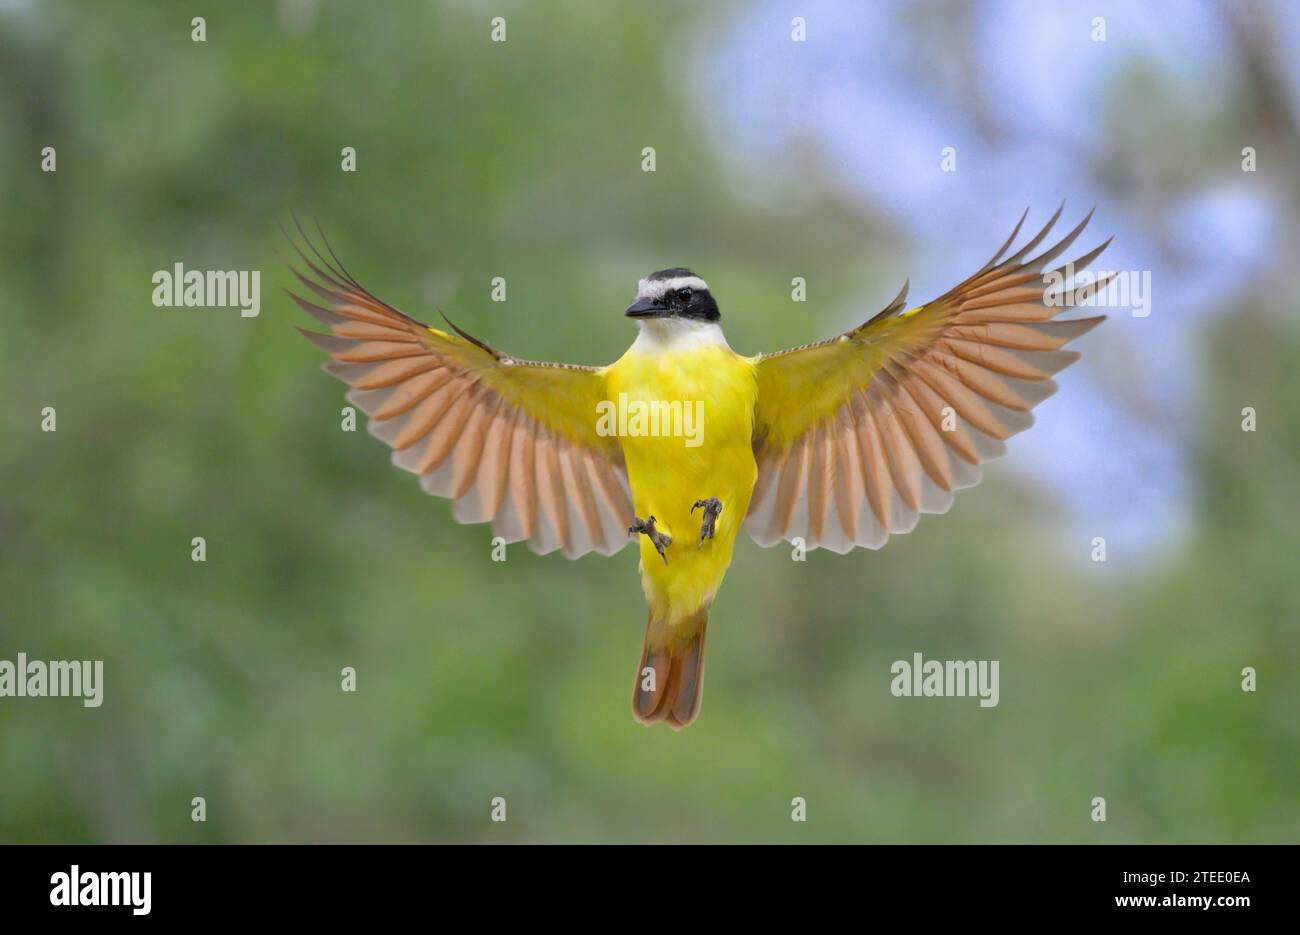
712	507
647	527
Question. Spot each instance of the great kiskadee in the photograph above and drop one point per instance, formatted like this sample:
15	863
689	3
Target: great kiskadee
835	444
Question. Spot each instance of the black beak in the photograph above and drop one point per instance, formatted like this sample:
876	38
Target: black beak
645	308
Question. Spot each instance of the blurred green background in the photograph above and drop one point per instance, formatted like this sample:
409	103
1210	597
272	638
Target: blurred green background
523	159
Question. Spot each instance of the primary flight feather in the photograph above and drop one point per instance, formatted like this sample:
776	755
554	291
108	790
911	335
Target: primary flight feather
837	444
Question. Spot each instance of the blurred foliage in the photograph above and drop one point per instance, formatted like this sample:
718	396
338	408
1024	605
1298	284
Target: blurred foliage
479	679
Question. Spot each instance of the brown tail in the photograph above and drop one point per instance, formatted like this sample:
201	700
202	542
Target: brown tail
670	679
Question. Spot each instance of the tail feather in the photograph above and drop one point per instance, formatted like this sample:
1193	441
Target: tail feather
670	679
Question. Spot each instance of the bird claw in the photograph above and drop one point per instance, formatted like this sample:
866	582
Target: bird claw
647	528
712	507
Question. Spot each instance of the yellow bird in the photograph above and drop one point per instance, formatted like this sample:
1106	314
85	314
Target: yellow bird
837	444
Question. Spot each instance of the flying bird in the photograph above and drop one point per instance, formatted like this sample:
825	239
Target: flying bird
838	444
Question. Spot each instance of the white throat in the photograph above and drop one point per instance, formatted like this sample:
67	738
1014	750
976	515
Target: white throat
668	335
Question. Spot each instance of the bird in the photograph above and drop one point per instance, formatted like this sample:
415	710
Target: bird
837	444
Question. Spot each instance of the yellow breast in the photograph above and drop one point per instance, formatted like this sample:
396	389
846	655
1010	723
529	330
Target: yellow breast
685	422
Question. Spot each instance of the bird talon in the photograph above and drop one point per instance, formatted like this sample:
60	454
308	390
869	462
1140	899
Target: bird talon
658	539
712	508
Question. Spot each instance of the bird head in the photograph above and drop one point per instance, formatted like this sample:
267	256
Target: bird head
674	293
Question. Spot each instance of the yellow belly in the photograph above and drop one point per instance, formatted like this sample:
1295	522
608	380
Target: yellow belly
707	452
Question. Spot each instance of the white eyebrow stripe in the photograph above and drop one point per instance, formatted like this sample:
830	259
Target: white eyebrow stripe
657	288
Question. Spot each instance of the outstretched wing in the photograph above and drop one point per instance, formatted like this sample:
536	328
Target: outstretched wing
512	442
857	435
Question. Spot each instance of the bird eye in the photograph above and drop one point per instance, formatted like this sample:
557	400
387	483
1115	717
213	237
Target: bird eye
684	294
